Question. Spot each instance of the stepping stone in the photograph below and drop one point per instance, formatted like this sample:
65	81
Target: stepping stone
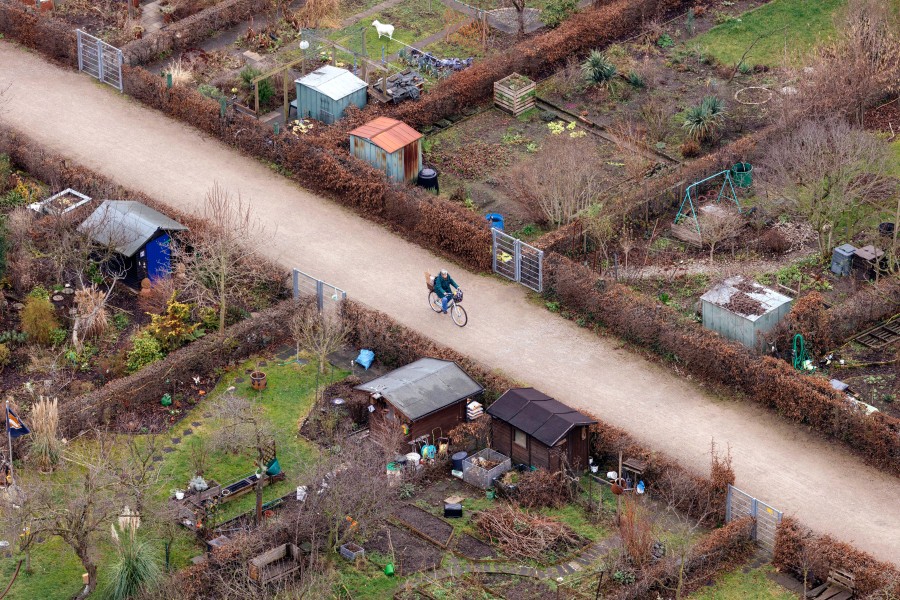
195	423
188	432
302	361
157	459
207	415
199	560
176	440
58	298
248	371
239	380
263	363
252	56
168	449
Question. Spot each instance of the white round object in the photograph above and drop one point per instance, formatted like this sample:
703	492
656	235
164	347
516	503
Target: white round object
612	475
304	45
179	495
413	458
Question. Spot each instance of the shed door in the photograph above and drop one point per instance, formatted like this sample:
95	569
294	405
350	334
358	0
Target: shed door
158	257
411	161
325	114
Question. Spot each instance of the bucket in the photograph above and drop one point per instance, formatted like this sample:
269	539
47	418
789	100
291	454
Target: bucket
495	220
742	173
489	494
413	459
458	459
274	468
389	569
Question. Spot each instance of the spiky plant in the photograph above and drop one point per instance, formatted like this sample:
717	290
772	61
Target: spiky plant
703	120
45	445
599	70
181	72
136	568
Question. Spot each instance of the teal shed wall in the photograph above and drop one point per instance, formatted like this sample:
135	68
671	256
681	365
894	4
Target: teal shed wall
310	102
394	165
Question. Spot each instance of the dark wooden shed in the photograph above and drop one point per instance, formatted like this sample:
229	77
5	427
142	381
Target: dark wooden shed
428	396
534	429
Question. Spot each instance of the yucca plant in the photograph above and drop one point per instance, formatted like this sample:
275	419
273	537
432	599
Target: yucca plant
45	445
703	120
136	568
599	70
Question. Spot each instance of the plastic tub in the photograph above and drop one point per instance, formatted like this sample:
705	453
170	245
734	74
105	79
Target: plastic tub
495	220
742	173
413	459
458	459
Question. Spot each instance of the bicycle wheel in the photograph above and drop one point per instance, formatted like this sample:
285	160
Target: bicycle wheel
459	315
434	302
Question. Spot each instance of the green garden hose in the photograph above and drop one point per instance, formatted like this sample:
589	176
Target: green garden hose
799	356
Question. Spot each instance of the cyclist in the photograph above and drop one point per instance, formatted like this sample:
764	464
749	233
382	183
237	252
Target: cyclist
442	285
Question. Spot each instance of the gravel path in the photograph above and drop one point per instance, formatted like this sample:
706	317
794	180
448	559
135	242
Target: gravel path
778	462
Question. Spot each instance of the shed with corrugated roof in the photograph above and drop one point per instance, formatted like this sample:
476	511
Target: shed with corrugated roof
325	93
390	146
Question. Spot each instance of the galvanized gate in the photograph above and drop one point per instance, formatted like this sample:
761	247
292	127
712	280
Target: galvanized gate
99	59
741	504
516	260
325	293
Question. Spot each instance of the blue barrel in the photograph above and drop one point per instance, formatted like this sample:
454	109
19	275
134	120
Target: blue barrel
495	220
458	459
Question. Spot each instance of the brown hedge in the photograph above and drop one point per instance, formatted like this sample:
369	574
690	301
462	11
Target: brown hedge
188	32
173	375
722	549
805	399
52	37
796	547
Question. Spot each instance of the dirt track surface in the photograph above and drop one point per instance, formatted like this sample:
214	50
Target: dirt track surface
781	464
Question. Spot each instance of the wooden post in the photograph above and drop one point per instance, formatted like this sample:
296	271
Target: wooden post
365	59
256	97
384	84
287	110
619	496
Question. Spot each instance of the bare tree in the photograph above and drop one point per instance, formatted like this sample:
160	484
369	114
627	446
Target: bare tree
519	7
79	511
137	470
319	333
831	175
560	181
217	260
717	226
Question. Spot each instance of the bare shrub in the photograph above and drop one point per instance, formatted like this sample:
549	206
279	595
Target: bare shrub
318	13
525	536
91	317
636	529
833	176
774	241
319	333
46	447
543	488
560	180
155	299
654	114
717	226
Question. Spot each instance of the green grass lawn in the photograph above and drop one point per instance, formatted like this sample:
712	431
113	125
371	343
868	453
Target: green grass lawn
413	20
738	585
290	395
805	22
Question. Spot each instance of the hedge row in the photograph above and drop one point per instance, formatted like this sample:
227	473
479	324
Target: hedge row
772	383
798	549
724	548
173	375
50	36
188	32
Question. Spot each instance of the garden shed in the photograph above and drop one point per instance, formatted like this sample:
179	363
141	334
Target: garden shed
743	310
537	430
327	91
389	146
139	235
428	396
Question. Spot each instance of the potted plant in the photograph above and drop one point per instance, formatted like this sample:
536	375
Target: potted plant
168	12
179	494
198	484
138	32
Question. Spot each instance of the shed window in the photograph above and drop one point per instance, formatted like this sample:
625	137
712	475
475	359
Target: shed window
519	438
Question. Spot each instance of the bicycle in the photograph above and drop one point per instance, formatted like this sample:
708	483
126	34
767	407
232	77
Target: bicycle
457	312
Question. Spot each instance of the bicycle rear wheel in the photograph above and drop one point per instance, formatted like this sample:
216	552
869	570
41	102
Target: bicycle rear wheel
434	302
459	315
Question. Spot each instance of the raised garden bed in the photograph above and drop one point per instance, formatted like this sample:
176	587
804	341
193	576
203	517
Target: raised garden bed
352	551
425	524
275	565
483	467
474	549
514	94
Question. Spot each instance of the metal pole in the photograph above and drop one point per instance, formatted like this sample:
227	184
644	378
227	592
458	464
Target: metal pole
80	57
12	478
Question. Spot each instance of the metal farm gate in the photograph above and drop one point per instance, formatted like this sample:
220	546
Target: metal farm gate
741	504
516	260
99	59
324	292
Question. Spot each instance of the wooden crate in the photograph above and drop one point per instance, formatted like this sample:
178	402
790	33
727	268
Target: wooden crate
275	565
514	94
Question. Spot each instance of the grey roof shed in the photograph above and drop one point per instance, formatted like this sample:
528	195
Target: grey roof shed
537	414
325	93
126	225
743	310
423	387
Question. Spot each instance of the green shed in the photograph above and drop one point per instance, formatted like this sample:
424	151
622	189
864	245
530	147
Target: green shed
744	311
327	91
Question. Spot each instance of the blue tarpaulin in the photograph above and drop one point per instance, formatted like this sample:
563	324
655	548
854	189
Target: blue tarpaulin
365	358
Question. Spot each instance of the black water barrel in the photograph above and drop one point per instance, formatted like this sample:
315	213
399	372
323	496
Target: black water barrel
428	179
458	459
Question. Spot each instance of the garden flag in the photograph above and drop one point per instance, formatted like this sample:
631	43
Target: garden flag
14	425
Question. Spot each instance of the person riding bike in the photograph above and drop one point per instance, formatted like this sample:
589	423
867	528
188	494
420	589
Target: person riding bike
442	285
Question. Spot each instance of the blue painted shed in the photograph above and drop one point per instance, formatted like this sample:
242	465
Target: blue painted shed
390	146
327	91
140	236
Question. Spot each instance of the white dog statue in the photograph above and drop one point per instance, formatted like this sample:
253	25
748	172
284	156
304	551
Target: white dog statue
383	29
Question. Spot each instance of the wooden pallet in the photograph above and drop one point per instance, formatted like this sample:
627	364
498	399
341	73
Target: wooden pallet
883	334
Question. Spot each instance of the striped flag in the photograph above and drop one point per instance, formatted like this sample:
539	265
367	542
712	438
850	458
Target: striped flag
16	426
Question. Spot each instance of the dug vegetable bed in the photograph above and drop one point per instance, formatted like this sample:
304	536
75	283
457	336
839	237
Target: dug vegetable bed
410	553
427	525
